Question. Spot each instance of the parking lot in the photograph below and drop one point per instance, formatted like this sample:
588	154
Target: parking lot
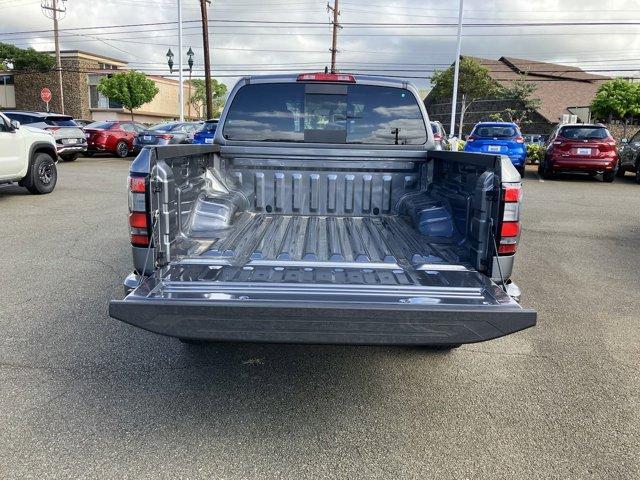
86	396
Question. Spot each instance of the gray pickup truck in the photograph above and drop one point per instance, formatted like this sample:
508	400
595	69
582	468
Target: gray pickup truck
322	214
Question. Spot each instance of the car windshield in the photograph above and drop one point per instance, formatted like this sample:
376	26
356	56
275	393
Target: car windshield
325	113
495	131
584	133
164	127
209	127
101	125
60	121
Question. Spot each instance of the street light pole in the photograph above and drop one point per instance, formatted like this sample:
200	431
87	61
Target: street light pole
190	54
456	72
181	79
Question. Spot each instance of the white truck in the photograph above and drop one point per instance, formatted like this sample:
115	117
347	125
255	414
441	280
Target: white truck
27	156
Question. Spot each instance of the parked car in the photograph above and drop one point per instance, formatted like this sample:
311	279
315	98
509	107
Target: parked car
69	137
580	148
630	157
439	135
169	133
312	220
115	137
534	139
205	135
27	156
498	138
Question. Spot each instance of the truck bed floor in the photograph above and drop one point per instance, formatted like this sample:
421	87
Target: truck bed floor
259	238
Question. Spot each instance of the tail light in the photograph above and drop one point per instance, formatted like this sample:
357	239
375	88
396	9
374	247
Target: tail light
510	226
326	77
139	224
165	136
471	138
437	137
53	129
519	139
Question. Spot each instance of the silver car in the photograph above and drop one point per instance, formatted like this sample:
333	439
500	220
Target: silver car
69	137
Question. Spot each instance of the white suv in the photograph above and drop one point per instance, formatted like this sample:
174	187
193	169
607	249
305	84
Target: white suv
27	156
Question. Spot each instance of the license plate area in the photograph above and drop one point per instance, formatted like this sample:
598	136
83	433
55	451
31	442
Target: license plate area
494	148
147	138
584	151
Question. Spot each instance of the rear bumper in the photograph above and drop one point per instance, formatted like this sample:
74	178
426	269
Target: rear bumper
66	149
582	164
322	323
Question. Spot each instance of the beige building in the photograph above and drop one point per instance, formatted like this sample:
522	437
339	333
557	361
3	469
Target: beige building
82	72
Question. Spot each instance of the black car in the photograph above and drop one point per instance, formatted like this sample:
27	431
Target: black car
630	157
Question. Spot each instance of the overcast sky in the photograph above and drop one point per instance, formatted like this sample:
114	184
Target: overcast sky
413	51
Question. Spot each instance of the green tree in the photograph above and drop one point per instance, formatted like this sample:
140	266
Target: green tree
132	89
27	60
616	99
474	83
521	93
199	95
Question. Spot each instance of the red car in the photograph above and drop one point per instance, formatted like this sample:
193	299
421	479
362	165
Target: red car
584	148
113	137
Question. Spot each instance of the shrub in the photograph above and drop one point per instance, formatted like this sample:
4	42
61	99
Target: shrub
535	153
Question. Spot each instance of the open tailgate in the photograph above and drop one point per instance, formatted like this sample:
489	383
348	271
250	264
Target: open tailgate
336	305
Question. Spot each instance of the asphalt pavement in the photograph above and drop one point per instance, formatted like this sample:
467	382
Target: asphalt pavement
85	396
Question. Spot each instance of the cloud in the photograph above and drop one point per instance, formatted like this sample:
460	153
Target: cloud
241	49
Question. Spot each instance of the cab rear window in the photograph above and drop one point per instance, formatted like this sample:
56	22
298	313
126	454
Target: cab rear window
325	113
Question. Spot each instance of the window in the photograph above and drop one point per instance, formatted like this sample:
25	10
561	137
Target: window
139	128
60	121
127	127
101	125
97	99
209	126
584	133
325	113
163	127
495	131
23	119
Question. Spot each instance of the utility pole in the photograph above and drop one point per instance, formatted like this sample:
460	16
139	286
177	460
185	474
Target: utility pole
51	10
334	40
207	61
456	73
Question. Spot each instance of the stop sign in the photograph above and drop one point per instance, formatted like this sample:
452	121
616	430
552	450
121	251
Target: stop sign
45	95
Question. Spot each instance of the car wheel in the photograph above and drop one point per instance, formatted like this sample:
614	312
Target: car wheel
620	172
608	177
42	175
122	149
69	158
544	171
88	154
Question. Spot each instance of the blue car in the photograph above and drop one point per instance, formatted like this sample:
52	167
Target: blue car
501	138
205	136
